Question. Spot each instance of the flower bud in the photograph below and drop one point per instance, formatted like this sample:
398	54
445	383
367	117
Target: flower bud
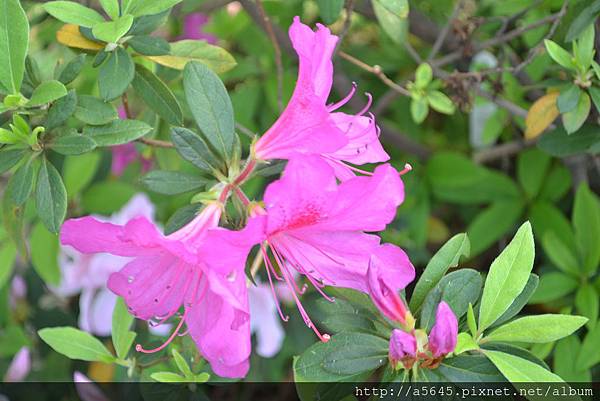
19	367
444	333
403	348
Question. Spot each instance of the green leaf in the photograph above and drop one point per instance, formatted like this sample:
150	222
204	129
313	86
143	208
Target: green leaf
423	75
440	102
72	69
471	323
595	95
47	92
586	222
157	95
148	7
107	197
10	157
61	110
560	144
146	24
465	368
586	302
172	182
584	18
14	41
181	217
8	137
465	343
117	132
537	328
519	370
8	255
168	377
584	51
112	31
44	254
560	253
149	45
122	337
194	149
72	144
391	15
94	111
12	219
560	55
75	344
419	109
589	355
446	257
507	277
20	185
568	98
574	119
71	12
553	286
211	107
111	7
330	10
50	197
493	222
532	167
115	74
458	289
520	301
78	171
185	51
565	361
354	353
557	184
181	364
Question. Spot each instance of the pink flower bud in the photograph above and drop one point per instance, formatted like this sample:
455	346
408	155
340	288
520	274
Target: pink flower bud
443	335
403	347
19	367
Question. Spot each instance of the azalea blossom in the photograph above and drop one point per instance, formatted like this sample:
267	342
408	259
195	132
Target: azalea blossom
444	333
193	28
403	349
317	227
199	269
19	367
87	274
310	126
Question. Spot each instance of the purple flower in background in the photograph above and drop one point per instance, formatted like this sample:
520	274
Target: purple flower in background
403	348
87	390
124	155
87	274
18	291
444	333
192	28
19	367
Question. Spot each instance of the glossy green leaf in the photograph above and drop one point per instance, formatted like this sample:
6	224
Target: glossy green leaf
44	249
507	277
72	144
14	41
584	51
47	92
168	377
94	111
117	132
157	95
72	12
50	197
560	55
112	31
537	328
149	45
354	353
182	365
111	7
122	337
574	119
519	370
61	110
520	301
115	74
75	344
147	7
194	149
185	51
172	182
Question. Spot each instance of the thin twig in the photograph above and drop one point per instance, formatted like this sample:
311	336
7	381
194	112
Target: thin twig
412	52
503	150
157	143
439	41
245	130
347	23
377	71
275	43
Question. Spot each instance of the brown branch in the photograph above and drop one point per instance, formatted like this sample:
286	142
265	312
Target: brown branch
375	70
503	150
441	38
157	143
278	63
347	23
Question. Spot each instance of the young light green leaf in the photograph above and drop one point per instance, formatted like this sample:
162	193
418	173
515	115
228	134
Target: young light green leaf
172	182
115	74
391	15
111	7
537	328
148	7
446	257
423	75
465	343
50	197
7	137
419	109
185	51
117	132
440	102
157	95
14	41
44	254
76	344
586	303
71	12
519	370
507	277
168	377
182	365
72	144
560	55
585	48
122	337
574	119
112	31
47	92
586	221
211	107
94	111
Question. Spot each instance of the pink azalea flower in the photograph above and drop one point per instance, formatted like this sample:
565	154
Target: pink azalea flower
390	271
199	268
444	333
87	274
317	227
308	125
192	28
87	389
124	155
403	347
19	367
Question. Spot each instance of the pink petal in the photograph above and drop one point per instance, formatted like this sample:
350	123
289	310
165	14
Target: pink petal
19	367
444	333
88	235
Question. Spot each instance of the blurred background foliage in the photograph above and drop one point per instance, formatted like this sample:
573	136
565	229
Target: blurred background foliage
484	158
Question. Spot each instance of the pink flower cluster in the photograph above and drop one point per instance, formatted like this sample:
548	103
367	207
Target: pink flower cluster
317	222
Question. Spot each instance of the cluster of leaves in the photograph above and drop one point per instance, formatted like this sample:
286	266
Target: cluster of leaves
491	334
